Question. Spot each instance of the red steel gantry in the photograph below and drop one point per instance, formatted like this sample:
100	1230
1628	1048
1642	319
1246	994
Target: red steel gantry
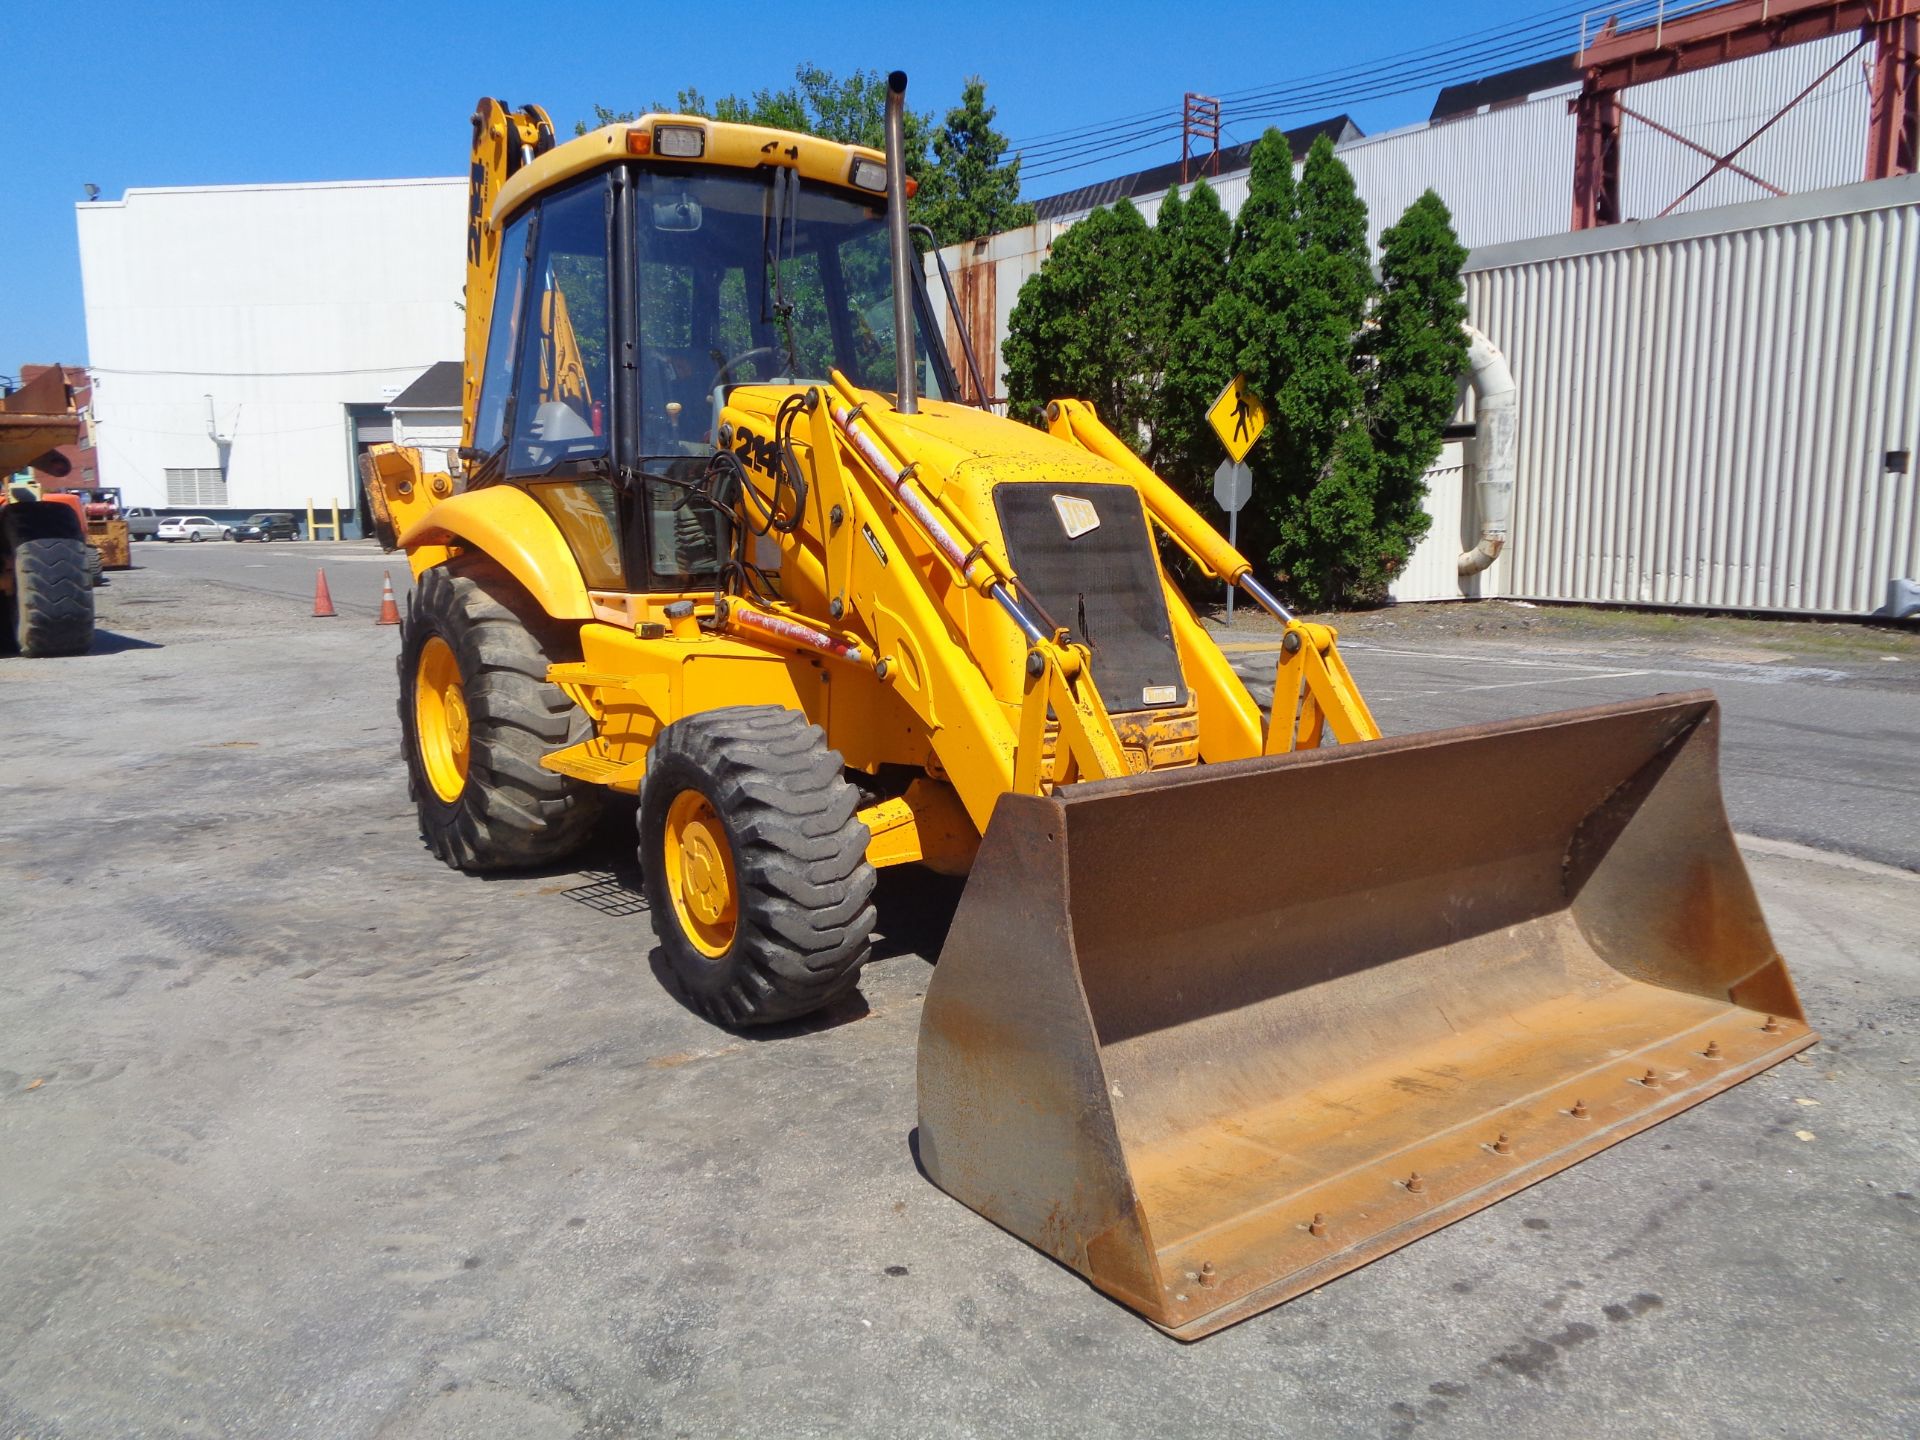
1616	60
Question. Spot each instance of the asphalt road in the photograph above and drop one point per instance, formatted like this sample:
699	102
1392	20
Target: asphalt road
303	1134
283	568
1822	751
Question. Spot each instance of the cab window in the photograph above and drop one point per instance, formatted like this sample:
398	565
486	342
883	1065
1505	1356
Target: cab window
561	394
510	289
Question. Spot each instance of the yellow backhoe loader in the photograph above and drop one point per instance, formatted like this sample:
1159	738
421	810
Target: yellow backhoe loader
1233	1002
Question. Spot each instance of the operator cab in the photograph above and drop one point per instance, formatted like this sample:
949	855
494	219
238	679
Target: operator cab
709	277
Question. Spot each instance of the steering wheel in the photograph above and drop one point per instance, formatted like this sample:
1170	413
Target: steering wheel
740	359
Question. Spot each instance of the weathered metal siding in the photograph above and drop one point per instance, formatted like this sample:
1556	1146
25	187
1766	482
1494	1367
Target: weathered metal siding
1433	570
1505	174
1821	142
1707	403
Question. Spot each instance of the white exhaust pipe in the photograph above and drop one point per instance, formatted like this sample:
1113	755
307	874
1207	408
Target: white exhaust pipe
1496	434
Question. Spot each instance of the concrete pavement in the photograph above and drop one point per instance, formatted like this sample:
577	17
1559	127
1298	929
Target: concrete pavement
306	1135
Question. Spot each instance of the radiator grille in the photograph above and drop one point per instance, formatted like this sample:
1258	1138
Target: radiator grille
1102	583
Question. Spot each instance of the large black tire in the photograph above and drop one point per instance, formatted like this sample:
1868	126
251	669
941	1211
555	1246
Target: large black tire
51	609
94	567
803	890
509	813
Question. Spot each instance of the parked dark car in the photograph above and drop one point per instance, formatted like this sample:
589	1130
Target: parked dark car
268	525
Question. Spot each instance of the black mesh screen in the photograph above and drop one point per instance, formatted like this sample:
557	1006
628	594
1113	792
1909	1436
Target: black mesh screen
1102	584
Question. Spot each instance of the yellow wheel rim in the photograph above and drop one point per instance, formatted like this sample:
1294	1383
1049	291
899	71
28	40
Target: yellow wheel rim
440	719
700	875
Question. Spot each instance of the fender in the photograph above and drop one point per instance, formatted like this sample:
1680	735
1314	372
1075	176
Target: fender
509	526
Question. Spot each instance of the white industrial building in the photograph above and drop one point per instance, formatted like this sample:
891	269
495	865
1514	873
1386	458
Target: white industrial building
246	340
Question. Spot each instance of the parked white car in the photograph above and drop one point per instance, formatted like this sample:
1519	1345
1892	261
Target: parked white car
193	527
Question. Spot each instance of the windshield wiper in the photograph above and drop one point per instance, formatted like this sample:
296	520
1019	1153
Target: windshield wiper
785	216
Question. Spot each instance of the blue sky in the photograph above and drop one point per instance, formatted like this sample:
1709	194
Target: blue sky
215	93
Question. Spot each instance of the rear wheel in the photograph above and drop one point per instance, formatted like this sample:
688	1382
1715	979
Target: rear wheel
51	609
755	868
477	713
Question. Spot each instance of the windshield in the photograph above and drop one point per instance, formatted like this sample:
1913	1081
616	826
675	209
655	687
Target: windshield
755	277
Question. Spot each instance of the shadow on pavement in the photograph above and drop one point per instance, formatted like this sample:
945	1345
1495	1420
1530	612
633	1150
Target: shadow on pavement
112	642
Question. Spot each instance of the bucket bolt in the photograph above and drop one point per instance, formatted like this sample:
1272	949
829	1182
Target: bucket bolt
1502	1144
1712	1052
1579	1111
1207	1277
1416	1182
1318	1225
1650	1080
1772	1027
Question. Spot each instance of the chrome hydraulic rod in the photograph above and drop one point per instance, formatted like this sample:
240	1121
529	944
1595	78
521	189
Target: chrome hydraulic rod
1265	598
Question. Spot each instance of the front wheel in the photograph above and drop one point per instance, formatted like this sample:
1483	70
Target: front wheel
476	715
755	868
50	611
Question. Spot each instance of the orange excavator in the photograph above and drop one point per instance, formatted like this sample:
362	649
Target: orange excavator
47	566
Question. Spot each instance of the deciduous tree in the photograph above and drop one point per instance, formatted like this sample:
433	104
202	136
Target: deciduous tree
967	192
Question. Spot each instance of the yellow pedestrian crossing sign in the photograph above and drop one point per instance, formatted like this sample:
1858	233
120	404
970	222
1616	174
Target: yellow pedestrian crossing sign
1237	417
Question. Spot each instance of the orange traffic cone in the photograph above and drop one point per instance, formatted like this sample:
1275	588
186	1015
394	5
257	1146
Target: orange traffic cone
322	597
389	612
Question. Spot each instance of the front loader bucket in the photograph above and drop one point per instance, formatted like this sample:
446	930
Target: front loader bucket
1214	1037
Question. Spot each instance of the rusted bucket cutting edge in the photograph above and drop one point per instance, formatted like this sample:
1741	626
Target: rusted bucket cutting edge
1345	1253
1213	1039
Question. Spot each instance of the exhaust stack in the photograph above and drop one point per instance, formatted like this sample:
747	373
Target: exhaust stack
906	398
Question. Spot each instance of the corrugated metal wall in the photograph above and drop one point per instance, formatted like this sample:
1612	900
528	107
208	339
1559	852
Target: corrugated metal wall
1822	141
1433	570
1707	404
1505	175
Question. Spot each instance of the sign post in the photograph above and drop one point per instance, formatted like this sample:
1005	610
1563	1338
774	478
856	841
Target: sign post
1232	484
1238	418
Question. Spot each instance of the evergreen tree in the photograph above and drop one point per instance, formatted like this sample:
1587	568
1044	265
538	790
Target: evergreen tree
1193	362
967	192
1417	353
1084	321
1327	475
1250	322
1359	375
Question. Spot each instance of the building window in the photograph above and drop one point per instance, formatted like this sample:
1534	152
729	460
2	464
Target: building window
195	488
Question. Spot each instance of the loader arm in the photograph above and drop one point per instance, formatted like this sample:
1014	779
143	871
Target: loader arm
888	543
1312	681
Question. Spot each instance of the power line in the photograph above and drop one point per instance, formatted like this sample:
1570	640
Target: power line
1463	58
